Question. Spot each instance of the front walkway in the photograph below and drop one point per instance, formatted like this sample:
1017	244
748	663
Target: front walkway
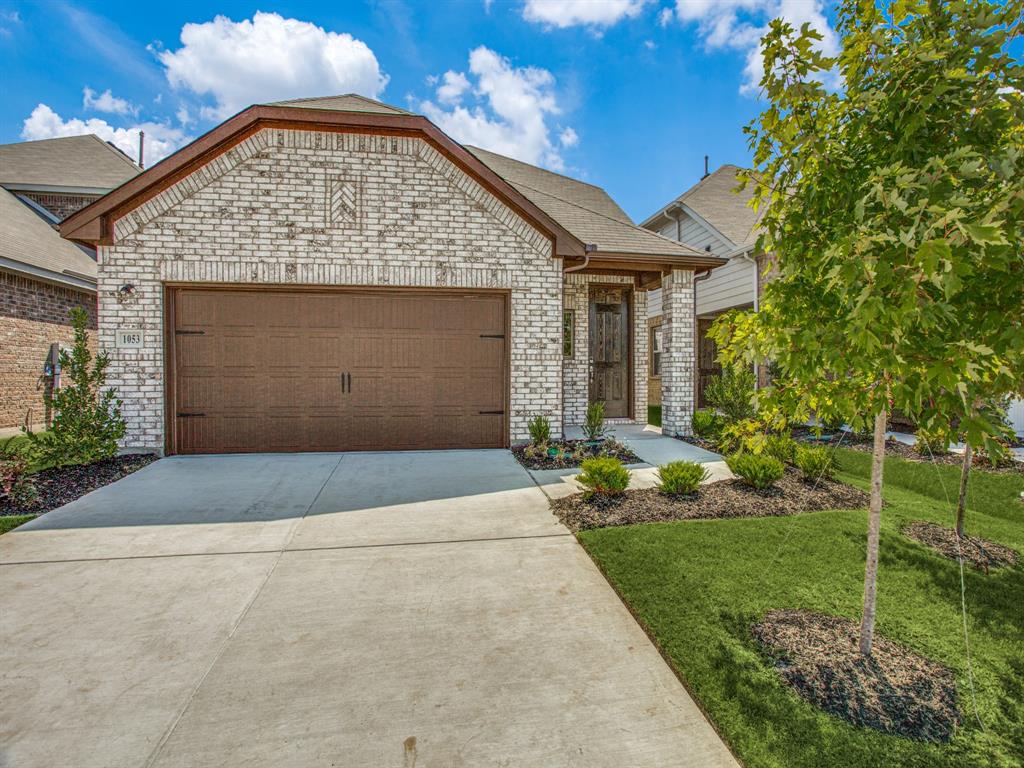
653	448
326	609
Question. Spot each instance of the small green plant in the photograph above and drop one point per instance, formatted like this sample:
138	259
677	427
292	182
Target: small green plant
540	430
934	441
743	435
706	424
756	470
15	482
681	477
815	463
593	425
87	419
603	476
732	393
781	447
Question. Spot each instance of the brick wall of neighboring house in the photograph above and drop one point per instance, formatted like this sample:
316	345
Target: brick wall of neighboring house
292	207
653	382
60	205
33	315
576	369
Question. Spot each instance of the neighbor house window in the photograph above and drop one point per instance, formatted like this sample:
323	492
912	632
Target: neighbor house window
568	323
656	351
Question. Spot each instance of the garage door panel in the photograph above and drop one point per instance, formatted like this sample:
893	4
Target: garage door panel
288	370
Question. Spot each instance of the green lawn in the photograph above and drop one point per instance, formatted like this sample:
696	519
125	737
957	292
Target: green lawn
10	522
698	586
654	415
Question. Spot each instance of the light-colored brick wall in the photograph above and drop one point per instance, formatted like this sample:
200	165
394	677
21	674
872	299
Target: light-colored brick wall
33	315
289	207
677	358
59	204
575	371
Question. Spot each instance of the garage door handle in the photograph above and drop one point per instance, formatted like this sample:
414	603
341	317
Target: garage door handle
346	382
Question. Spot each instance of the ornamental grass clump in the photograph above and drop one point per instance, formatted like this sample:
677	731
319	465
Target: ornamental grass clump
540	430
758	470
604	477
815	463
593	425
679	478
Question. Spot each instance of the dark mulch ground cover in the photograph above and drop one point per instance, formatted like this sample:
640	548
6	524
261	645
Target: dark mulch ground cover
724	499
895	690
700	442
979	553
573	453
59	485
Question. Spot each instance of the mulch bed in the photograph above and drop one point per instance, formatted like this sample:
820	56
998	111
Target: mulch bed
700	442
573	457
979	553
894	691
723	499
59	485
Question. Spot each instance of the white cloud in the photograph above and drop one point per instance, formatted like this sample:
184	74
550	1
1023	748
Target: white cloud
107	102
650	45
269	58
455	84
588	13
161	140
665	16
740	25
504	109
568	138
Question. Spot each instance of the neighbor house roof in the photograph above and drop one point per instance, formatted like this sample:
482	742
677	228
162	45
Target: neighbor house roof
573	214
586	210
715	199
84	163
30	245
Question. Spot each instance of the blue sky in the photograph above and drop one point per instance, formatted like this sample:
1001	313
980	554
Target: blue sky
627	94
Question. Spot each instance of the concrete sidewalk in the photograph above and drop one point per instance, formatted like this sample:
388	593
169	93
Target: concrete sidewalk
343	609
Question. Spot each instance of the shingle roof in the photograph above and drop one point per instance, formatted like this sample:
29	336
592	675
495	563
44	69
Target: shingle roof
714	199
587	211
26	238
348	102
72	161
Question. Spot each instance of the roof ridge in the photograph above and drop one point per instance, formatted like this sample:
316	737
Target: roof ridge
472	147
120	153
350	95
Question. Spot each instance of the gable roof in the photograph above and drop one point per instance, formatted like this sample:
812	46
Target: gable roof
30	245
715	199
79	162
348	102
587	211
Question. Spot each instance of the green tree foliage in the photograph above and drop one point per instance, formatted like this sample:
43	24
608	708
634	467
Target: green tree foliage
894	208
732	393
87	420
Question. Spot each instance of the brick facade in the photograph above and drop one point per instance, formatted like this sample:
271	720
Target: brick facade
33	315
60	205
678	362
298	207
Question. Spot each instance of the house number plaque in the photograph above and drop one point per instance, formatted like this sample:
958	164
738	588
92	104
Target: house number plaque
128	338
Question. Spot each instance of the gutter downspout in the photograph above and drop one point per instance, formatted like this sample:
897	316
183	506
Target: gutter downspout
697	277
588	249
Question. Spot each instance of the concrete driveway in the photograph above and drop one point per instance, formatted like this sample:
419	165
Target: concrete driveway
412	609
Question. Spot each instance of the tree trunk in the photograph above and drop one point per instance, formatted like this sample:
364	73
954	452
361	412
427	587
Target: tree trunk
867	621
961	502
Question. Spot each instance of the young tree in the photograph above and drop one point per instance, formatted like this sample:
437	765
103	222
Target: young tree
87	423
894	208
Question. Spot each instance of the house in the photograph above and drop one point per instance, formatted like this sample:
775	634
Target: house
339	274
710	217
42	276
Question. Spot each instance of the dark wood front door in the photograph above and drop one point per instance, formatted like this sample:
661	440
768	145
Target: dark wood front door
336	370
707	359
610	349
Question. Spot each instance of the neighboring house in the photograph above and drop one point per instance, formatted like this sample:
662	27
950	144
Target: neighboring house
710	217
338	274
42	277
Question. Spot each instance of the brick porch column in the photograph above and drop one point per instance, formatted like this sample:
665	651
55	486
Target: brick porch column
678	353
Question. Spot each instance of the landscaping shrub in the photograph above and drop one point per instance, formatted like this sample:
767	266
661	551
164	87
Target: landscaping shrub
706	424
732	393
87	420
781	447
739	436
815	463
603	476
15	482
934	441
756	470
540	430
593	425
680	477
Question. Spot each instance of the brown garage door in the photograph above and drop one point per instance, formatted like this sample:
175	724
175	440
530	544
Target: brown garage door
344	370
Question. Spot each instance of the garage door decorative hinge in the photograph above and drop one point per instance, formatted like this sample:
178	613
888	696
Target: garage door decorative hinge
495	412
492	335
190	415
179	332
